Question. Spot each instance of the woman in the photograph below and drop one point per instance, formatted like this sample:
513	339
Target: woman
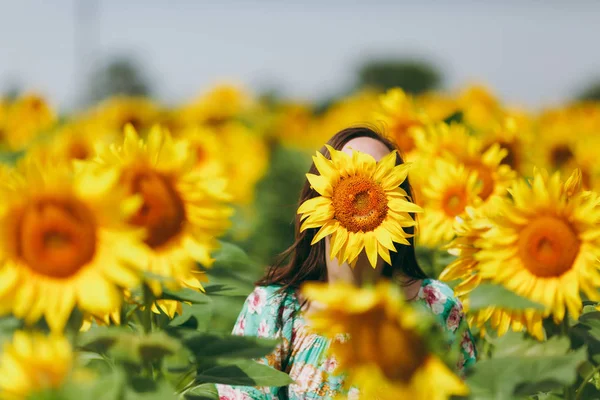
275	309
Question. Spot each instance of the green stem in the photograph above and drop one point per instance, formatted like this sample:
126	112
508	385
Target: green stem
585	381
148	299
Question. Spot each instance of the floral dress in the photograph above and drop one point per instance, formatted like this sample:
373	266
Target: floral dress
270	313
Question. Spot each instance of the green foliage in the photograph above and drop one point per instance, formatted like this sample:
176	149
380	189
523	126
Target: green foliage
487	294
240	372
523	367
414	76
119	76
210	345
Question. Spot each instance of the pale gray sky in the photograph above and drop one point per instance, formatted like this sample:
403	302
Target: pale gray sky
532	52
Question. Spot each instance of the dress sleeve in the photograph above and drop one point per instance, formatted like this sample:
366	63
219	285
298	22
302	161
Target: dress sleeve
458	329
269	314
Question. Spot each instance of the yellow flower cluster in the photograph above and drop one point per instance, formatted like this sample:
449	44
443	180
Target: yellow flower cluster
132	192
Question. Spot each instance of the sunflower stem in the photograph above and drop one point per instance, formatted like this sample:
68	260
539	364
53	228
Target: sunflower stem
585	381
148	299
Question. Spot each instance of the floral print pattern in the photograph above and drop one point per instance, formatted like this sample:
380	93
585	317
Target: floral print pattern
269	312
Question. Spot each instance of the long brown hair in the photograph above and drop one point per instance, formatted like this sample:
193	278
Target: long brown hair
302	262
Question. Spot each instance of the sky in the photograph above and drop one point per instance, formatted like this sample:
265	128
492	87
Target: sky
532	53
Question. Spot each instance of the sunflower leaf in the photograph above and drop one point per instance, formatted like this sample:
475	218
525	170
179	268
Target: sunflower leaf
205	391
241	372
211	345
489	295
523	367
185	294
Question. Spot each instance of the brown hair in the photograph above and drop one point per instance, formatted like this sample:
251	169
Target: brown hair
302	262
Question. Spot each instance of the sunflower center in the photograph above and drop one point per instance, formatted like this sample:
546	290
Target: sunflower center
163	212
484	178
560	156
454	202
79	151
397	351
55	235
200	154
359	204
548	247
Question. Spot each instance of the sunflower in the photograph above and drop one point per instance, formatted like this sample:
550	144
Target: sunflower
544	243
514	133
221	104
182	211
480	107
362	324
453	142
246	162
208	148
24	120
115	113
32	363
361	205
449	190
465	268
356	109
63	243
399	112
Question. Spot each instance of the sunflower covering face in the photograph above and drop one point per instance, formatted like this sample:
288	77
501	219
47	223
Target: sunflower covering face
363	323
63	243
361	205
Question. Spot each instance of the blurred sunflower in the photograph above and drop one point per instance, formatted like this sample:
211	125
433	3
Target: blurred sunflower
481	109
373	318
208	149
437	106
63	243
449	190
182	211
32	363
117	112
513	134
454	143
246	162
25	119
465	268
77	140
544	243
361	205
292	125
221	104
356	109
401	115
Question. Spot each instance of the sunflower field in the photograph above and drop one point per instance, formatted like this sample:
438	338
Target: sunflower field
132	232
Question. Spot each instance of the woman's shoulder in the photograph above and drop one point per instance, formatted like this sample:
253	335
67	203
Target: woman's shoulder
270	297
439	297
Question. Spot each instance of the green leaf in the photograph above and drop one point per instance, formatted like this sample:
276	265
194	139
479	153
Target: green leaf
486	295
185	294
100	339
206	391
106	387
148	389
211	345
157	345
513	344
232	257
241	372
525	367
200	313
